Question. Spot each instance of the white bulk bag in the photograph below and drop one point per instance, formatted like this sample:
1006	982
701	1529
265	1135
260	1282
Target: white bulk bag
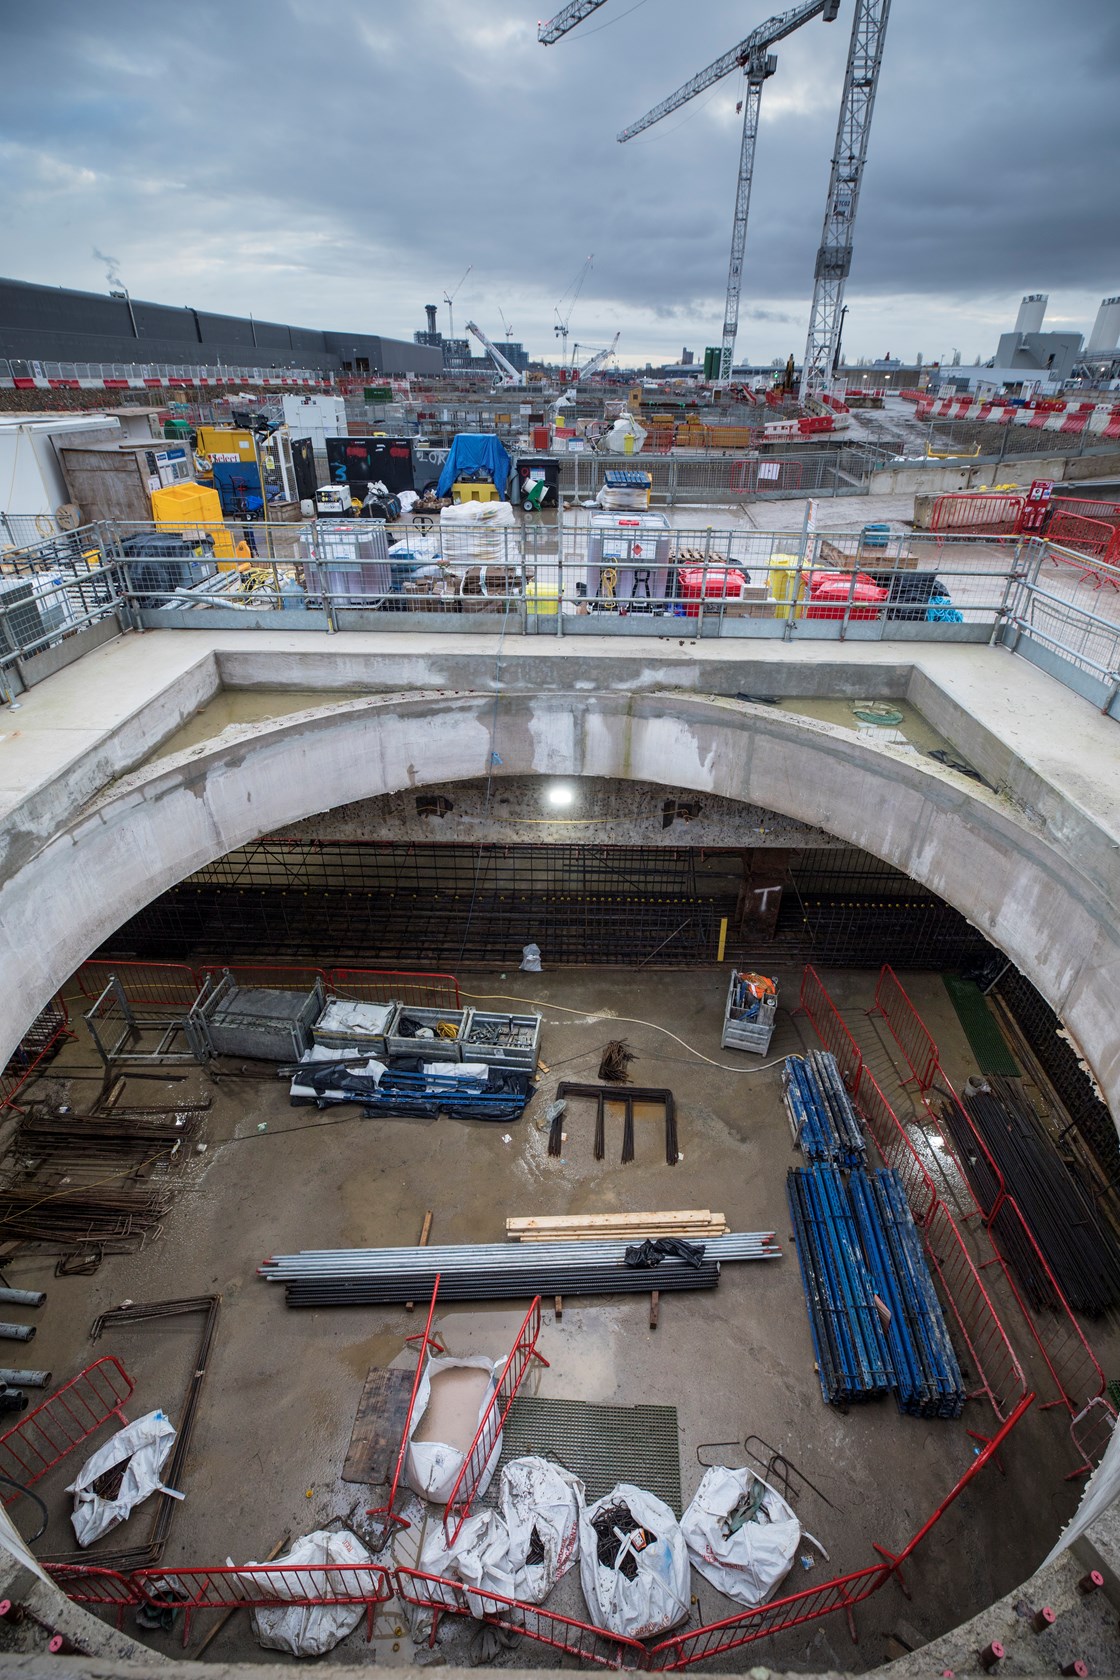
658	1597
432	1467
748	1564
491	1552
145	1444
309	1630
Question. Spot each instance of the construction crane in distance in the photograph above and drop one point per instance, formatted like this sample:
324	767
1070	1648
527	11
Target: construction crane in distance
834	256
566	19
757	63
561	327
449	299
597	361
507	373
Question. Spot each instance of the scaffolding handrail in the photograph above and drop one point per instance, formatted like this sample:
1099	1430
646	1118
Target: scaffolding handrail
42	1438
487	1444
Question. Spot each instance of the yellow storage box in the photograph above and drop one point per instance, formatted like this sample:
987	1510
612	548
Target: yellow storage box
194	510
467	491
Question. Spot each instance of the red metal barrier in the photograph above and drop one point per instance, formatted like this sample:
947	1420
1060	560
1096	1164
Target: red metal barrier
561	1633
906	1027
272	1585
427	1341
37	1046
147	985
971	511
896	1149
487	1441
993	1357
378	985
1091	1431
829	1028
700	1645
85	1583
43	1437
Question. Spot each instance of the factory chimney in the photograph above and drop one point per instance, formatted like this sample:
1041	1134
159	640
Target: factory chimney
1031	311
1105	335
430	312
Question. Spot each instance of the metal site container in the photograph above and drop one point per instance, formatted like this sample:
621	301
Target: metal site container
741	1034
401	1039
349	1024
503	1040
262	1022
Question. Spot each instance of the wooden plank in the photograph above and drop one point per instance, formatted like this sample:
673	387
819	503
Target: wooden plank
425	1233
549	1222
378	1426
696	1233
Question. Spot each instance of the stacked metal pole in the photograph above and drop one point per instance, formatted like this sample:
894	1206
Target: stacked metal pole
497	1271
825	1123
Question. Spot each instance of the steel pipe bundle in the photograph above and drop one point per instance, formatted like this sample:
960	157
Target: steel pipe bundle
497	1271
874	1316
853	1361
1080	1250
928	1381
825	1123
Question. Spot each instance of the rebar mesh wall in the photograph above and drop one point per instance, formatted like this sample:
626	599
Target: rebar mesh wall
386	905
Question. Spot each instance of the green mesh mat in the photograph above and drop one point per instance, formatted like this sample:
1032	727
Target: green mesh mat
981	1027
601	1445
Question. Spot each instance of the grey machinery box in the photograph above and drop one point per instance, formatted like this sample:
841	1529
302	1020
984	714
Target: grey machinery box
487	1034
261	1021
401	1039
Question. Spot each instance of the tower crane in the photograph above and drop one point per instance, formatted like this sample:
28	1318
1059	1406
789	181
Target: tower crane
561	327
566	19
599	360
449	299
753	58
507	373
834	257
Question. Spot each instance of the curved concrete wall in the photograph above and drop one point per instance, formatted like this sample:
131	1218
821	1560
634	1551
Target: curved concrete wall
157	825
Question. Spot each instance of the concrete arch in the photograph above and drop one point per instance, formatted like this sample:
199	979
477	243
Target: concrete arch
1011	876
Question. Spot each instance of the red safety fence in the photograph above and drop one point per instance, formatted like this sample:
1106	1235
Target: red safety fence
1091	1431
829	1028
993	1358
427	1341
906	1026
278	1586
1087	508
487	1444
280	977
38	1045
967	511
147	985
378	985
43	1437
86	1583
895	1148
702	1644
561	1633
1089	536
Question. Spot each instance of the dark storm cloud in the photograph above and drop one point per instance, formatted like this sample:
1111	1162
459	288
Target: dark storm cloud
342	164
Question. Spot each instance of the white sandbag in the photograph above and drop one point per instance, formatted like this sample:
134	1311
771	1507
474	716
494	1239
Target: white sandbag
748	1564
491	1552
343	1015
309	1630
145	1444
432	1466
530	959
658	1597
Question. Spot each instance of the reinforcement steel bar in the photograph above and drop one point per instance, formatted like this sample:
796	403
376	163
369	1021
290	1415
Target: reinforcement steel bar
489	1285
503	1256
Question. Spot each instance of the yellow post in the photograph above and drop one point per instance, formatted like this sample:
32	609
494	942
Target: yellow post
722	938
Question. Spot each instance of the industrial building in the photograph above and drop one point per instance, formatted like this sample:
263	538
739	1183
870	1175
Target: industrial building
40	324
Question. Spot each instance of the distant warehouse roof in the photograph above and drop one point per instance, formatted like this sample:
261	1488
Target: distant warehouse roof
53	324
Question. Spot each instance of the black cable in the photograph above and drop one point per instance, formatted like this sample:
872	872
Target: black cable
46	1515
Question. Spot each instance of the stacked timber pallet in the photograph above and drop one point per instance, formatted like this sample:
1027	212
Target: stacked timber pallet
697	1224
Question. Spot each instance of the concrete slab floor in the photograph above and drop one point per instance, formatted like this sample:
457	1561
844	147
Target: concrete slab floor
282	1386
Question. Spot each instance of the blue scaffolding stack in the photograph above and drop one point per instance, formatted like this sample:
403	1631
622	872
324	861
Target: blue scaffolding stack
825	1123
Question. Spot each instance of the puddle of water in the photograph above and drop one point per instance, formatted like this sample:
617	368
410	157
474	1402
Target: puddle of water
902	726
233	706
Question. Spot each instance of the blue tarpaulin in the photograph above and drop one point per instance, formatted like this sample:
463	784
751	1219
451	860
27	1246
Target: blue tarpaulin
474	452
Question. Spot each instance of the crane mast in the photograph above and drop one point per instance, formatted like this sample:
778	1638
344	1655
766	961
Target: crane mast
600	359
751	56
566	19
834	257
509	374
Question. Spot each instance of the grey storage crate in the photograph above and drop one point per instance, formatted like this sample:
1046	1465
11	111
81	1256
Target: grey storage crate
347	1023
739	1034
436	1048
260	1021
503	1040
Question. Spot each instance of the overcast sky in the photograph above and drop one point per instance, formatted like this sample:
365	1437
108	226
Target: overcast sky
340	163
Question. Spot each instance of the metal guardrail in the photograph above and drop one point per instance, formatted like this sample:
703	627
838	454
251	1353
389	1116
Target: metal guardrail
61	596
